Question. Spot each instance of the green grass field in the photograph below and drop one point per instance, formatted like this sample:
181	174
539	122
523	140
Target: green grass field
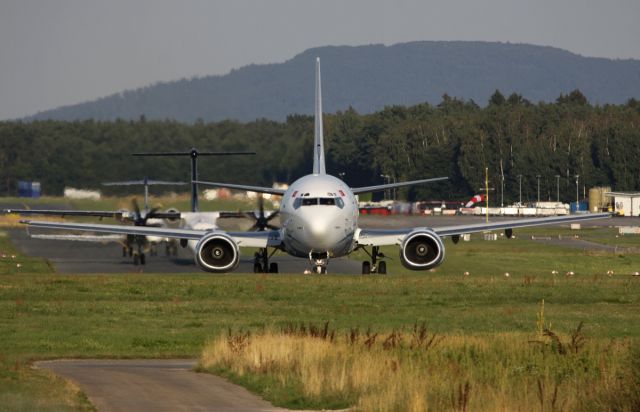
44	315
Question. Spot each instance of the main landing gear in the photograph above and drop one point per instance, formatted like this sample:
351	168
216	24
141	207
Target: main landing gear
374	266
261	262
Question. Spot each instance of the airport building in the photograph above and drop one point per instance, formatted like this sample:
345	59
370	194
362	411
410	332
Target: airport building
626	203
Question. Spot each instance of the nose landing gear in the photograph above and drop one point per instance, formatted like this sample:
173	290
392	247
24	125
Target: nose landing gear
374	266
319	262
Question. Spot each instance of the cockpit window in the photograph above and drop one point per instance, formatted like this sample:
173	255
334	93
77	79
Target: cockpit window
315	201
327	201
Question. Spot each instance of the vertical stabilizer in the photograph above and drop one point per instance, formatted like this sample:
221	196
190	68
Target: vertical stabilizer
318	141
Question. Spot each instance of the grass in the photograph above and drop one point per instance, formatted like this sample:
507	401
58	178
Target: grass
413	370
45	315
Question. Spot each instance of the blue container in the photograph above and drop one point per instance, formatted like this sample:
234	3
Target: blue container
28	189
580	207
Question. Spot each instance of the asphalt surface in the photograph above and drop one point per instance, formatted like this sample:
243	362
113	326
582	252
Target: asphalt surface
155	385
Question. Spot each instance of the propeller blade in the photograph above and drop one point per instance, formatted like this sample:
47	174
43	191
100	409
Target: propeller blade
272	215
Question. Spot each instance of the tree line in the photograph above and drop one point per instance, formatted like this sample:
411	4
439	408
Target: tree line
520	143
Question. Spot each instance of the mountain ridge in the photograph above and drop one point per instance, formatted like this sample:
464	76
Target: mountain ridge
368	78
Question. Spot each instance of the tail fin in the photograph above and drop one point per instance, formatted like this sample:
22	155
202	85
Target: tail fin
193	153
318	145
146	182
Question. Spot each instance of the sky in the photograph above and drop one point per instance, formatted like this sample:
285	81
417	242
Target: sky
62	52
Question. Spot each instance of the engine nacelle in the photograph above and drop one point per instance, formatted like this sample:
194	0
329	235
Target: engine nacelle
217	252
421	250
172	210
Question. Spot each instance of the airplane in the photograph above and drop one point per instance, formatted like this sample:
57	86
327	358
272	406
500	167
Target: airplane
319	221
134	245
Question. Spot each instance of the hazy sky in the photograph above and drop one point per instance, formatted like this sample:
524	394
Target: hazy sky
67	51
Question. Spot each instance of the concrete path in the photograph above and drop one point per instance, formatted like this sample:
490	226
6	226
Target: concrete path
154	385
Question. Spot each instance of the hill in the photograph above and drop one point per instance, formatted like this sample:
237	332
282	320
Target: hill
368	78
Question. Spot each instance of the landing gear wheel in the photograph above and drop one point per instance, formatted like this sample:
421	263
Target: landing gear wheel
366	268
257	268
273	267
142	259
382	268
136	259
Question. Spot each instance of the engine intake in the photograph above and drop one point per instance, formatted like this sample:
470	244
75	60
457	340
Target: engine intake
422	250
217	252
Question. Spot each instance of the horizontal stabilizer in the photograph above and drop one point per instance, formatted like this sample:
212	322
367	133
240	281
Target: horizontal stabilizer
143	182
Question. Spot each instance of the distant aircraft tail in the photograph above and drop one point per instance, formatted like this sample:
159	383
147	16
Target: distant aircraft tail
193	154
474	200
318	146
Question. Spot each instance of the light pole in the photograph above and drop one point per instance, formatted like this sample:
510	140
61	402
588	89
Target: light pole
558	188
520	188
577	193
502	192
538	177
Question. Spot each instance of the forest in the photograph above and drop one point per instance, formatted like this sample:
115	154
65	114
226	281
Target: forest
516	140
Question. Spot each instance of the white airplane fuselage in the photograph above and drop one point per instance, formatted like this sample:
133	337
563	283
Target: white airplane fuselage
318	214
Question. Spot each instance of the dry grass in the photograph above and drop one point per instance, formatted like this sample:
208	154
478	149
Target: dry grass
418	371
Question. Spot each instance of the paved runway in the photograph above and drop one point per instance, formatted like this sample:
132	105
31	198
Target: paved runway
155	385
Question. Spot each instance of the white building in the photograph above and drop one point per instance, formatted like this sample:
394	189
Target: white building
626	203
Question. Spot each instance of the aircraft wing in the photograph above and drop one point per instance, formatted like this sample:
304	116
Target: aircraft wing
243	239
257	189
81	238
378	188
381	237
63	212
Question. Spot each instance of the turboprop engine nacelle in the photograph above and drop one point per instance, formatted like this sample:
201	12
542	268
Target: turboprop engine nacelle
421	249
217	252
172	210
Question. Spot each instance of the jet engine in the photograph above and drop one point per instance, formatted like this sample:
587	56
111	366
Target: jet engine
421	250
217	252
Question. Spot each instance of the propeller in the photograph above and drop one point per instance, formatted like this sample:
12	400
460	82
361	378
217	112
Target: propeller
140	218
261	221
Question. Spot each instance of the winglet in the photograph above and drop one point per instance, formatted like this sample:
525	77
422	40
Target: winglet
318	144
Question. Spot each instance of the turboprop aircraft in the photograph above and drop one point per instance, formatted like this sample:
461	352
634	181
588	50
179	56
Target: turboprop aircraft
319	221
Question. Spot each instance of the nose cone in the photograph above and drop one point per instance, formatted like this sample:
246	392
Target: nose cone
318	233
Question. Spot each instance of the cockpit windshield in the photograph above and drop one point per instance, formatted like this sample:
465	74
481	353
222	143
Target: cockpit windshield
315	201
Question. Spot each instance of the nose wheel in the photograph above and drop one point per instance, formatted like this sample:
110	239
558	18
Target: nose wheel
319	262
261	262
373	266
